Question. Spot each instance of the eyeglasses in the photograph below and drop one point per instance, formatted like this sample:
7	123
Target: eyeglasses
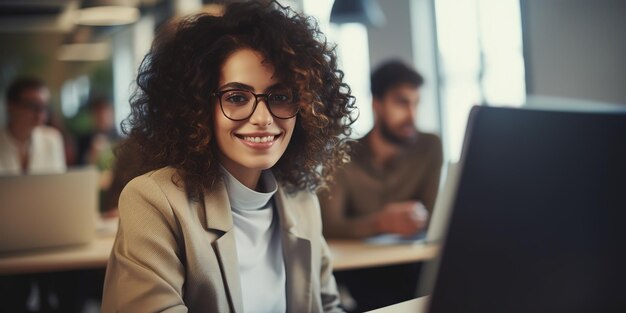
239	104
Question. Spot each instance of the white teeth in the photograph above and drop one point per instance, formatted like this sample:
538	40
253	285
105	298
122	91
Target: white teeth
258	139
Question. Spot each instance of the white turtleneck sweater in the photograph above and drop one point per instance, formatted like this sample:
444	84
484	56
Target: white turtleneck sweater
259	248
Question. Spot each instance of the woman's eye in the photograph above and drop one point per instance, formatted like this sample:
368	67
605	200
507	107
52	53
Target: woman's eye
279	98
237	98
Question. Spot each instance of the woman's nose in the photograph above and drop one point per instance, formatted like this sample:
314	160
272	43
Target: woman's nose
261	115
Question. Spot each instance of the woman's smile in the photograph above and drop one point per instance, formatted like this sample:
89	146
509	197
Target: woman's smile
259	141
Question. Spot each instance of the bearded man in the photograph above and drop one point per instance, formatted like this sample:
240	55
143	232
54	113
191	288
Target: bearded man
389	187
391	183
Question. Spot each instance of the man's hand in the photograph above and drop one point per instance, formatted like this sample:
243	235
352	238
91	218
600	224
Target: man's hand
404	218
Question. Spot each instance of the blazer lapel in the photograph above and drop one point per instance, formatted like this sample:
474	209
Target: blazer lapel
219	219
297	255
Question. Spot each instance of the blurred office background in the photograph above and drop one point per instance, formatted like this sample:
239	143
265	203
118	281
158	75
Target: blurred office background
491	52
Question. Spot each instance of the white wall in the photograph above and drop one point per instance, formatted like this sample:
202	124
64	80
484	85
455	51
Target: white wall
394	39
576	48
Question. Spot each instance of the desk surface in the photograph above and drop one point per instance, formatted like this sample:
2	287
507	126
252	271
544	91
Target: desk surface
92	255
419	305
347	254
350	254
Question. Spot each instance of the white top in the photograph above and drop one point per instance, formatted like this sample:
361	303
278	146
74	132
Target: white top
259	248
46	152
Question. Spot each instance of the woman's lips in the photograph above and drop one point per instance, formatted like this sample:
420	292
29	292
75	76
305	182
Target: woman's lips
258	141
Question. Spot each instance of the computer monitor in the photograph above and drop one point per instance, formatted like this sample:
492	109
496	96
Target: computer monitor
539	217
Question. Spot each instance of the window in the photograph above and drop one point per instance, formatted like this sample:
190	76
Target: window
74	93
481	60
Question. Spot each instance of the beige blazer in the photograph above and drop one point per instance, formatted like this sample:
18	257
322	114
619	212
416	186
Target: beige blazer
172	254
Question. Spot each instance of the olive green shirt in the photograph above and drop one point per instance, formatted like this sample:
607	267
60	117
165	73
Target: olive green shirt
361	189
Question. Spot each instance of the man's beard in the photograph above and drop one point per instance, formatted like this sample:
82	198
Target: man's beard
392	138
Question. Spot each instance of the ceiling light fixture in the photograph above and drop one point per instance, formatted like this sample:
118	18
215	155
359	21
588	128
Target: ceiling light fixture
366	12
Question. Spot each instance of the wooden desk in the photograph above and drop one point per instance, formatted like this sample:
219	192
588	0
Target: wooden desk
347	254
350	254
92	255
419	305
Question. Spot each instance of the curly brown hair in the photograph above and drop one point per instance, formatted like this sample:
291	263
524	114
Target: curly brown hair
171	118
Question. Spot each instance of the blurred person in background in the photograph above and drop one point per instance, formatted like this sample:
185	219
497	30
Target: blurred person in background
26	145
389	187
95	147
123	170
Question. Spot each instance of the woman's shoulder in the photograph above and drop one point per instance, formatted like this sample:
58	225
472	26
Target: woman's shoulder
160	176
160	191
165	180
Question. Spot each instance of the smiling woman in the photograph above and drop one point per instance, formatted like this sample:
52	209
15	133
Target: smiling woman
236	120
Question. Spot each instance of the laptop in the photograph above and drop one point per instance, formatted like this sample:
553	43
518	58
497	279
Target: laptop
538	220
48	210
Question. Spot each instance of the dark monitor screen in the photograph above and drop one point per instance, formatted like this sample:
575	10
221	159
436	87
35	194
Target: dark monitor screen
539	216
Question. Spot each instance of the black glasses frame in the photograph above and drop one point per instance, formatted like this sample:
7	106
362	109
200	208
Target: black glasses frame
219	95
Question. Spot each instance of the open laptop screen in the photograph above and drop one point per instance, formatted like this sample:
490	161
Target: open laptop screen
48	210
539	218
